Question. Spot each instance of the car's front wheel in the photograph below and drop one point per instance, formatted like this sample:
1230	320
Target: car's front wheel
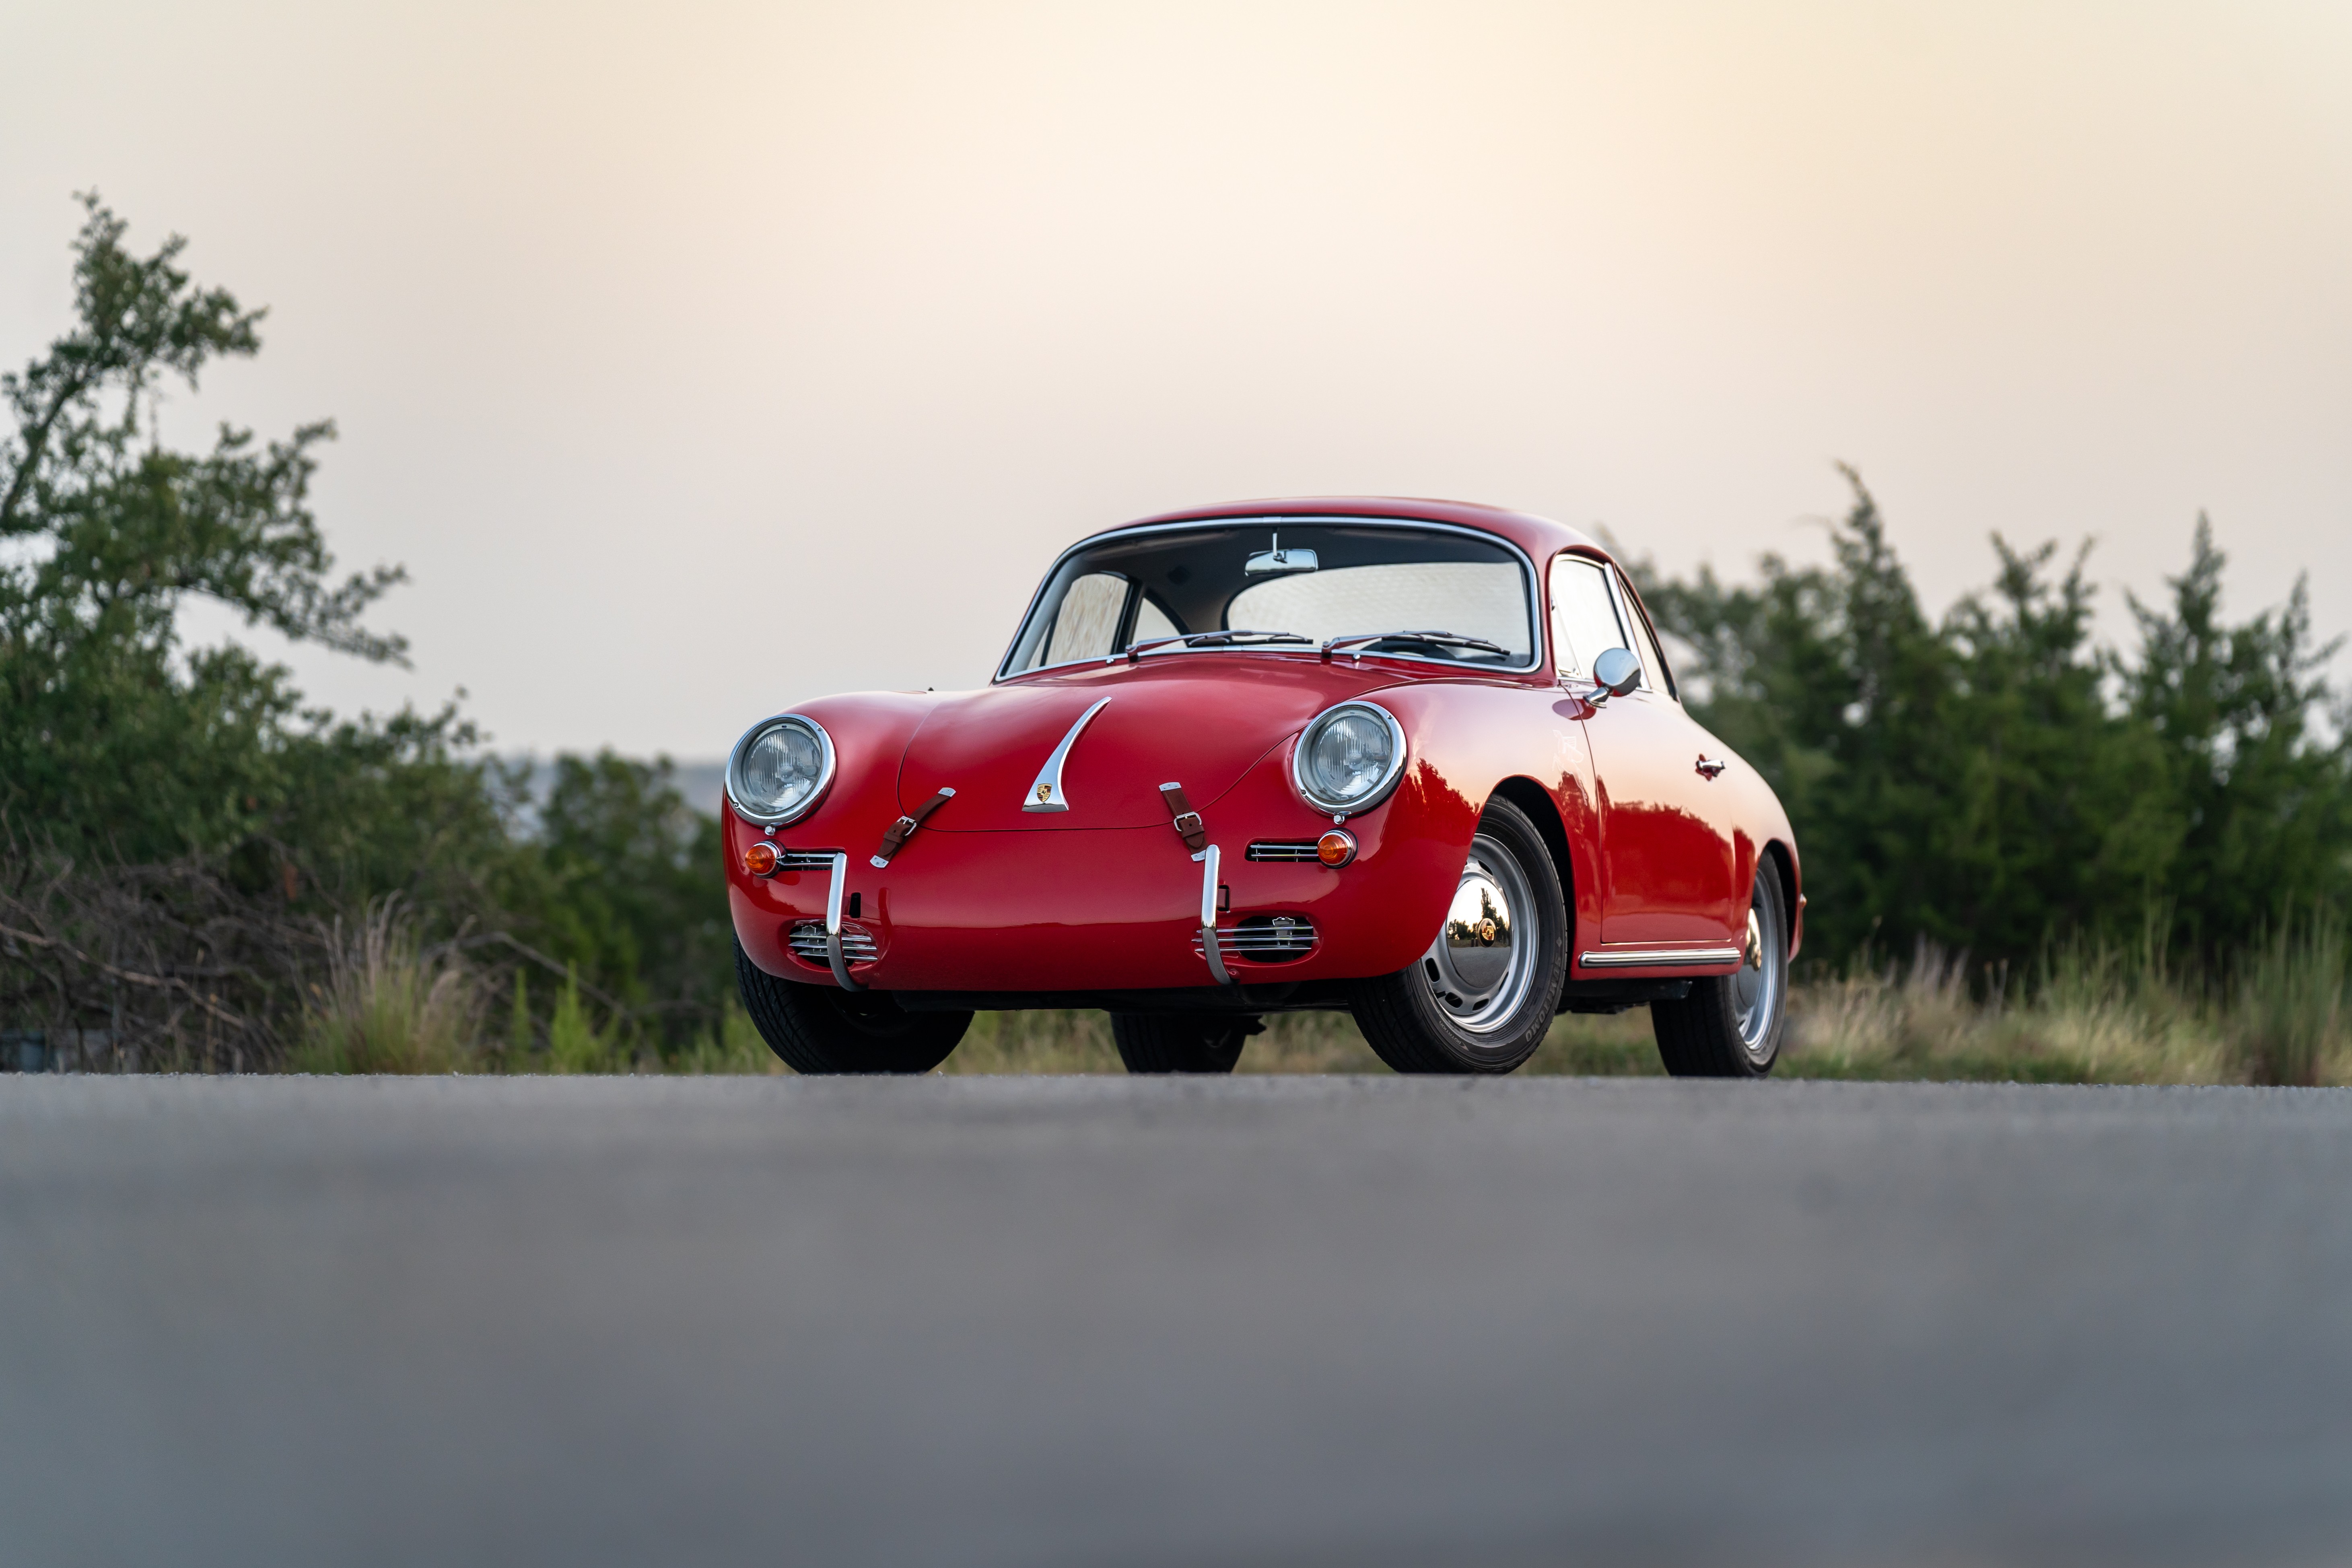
820	1031
1482	998
1181	1042
1729	1024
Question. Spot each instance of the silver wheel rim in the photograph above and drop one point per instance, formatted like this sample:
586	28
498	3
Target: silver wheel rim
1759	982
1482	963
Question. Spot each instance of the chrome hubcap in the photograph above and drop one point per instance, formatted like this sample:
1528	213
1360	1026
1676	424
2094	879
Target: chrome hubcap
1757	988
1482	963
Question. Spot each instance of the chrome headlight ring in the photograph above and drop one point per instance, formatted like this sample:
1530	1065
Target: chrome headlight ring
773	807
1303	758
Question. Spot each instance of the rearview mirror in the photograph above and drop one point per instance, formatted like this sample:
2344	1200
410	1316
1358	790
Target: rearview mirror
1616	672
1280	560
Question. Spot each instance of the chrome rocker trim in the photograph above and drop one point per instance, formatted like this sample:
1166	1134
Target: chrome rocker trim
1045	790
1658	957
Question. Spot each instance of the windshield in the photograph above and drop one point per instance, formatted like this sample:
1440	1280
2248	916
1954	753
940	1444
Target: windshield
1307	581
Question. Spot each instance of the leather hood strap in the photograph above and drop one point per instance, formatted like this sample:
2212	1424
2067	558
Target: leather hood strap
1187	821
904	829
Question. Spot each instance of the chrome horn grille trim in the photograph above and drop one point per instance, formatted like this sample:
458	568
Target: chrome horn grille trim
1282	849
1265	939
809	941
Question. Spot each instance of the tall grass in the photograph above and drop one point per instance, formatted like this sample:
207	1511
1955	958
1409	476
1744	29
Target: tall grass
1080	1042
2094	1013
2089	1013
388	1006
2286	1020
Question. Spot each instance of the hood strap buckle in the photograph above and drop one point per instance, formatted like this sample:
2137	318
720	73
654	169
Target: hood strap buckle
1188	823
904	829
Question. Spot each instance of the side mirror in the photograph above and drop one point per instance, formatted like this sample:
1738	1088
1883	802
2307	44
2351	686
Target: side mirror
1616	672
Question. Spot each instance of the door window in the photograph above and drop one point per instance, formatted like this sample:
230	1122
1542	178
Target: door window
1584	623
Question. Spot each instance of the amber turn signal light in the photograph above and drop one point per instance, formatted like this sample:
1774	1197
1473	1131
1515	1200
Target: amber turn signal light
1336	848
761	860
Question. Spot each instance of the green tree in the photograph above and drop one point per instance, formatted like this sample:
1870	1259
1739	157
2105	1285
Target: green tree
621	878
2264	804
112	733
1996	781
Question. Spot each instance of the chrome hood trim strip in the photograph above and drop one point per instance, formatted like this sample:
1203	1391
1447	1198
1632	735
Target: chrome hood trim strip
1045	791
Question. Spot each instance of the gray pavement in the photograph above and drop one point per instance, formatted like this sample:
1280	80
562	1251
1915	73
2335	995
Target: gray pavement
1046	1322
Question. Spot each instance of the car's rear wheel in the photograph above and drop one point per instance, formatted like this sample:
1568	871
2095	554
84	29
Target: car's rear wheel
1181	1042
1482	998
821	1030
1729	1026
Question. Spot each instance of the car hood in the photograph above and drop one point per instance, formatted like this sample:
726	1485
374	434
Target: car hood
1197	720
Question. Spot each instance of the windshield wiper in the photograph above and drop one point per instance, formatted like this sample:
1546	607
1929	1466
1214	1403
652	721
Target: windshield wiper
1445	639
1205	639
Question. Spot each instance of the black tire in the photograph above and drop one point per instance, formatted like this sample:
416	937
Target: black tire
822	1029
1431	1017
1183	1042
1730	1025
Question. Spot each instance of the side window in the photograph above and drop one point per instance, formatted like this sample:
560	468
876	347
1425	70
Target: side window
1584	624
1086	623
1656	677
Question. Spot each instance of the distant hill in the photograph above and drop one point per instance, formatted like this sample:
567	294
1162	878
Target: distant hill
702	782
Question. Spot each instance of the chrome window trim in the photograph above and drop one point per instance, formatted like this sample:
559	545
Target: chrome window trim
1380	792
1608	580
1635	625
1533	580
735	765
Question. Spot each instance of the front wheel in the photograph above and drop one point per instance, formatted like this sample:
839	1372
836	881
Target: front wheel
1181	1042
821	1030
1481	999
1729	1024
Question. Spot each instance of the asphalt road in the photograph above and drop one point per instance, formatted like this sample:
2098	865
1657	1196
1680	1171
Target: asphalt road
1046	1322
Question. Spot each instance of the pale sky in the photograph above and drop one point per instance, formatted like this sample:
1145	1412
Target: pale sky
700	358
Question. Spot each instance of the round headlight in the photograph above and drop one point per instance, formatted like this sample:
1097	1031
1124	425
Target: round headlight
778	770
1349	758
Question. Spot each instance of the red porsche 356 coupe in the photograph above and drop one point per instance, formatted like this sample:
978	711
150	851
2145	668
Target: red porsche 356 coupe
1418	759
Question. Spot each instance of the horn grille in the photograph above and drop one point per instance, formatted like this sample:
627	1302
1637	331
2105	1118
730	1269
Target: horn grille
807	942
1265	939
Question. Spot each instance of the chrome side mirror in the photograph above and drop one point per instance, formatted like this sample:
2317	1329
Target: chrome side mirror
1615	672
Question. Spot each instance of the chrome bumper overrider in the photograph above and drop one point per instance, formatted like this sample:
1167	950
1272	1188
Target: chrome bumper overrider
1209	861
833	953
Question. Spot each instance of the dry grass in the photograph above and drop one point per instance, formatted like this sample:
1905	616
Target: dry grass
2091	1014
1079	1042
389	1006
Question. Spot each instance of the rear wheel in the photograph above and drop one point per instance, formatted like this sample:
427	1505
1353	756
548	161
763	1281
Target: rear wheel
1729	1024
821	1030
1181	1042
1481	1000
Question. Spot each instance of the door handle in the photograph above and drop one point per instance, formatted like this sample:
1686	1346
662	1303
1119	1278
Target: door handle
1709	767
